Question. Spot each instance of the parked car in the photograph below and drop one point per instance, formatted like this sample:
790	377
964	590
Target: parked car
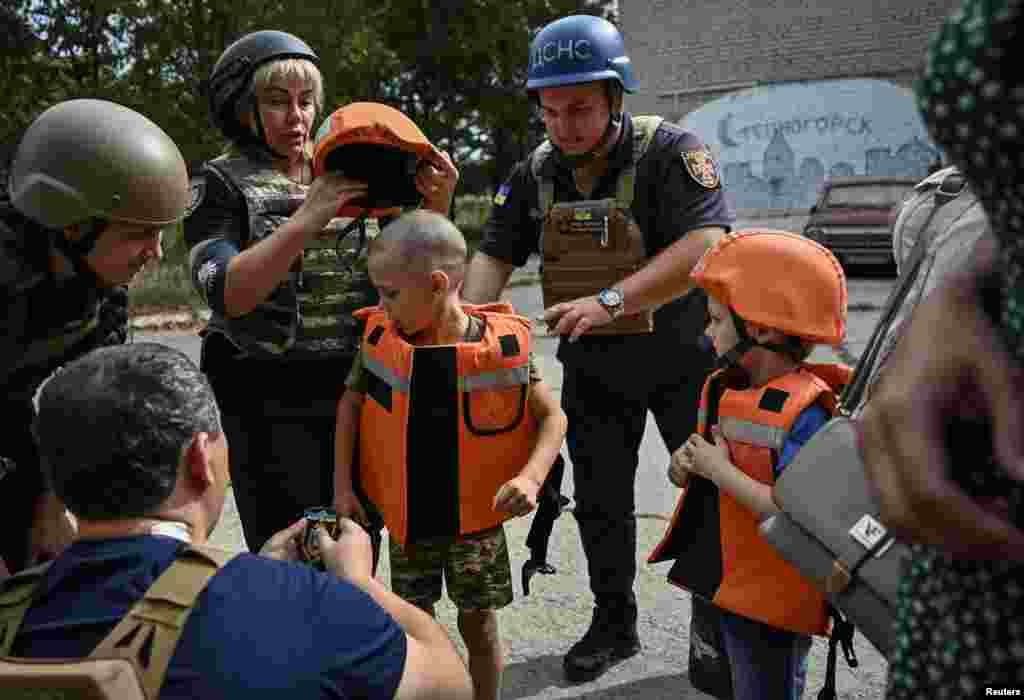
853	218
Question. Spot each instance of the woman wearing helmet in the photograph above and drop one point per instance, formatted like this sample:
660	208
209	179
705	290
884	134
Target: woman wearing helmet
281	292
756	412
91	187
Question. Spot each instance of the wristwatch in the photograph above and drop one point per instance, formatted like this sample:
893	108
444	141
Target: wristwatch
612	300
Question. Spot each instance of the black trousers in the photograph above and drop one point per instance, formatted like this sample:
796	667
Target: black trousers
279	420
609	385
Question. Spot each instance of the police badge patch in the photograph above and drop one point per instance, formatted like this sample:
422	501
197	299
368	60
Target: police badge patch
702	167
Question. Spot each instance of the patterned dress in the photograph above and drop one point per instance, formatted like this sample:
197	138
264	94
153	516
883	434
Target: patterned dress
960	624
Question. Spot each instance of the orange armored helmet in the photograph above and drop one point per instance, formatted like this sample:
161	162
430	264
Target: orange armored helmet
779	280
378	145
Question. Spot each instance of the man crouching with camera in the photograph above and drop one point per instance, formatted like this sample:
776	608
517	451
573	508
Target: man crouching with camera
132	443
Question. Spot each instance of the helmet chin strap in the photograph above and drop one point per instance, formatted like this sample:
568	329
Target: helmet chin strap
578	160
261	139
745	343
75	251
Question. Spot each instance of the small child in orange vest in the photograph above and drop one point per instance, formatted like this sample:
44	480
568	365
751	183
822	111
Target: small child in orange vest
772	296
454	429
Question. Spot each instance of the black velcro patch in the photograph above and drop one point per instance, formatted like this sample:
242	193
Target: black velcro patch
375	335
773	400
509	345
378	390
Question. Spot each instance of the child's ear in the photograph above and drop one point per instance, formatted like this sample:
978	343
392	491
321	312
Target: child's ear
439	282
763	334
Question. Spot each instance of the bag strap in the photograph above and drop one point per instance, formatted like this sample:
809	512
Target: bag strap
950	189
149	633
16	595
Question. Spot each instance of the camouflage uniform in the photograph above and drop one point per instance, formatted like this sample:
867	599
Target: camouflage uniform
49	319
475	568
278	371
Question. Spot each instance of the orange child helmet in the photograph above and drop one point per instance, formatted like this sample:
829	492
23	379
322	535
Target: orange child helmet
378	145
779	280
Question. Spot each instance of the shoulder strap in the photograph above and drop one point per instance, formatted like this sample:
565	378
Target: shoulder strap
545	185
149	633
226	176
644	128
949	190
16	595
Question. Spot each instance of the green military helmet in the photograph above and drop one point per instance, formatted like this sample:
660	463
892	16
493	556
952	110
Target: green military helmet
92	158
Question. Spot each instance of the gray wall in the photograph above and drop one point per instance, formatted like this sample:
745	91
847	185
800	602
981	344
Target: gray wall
688	52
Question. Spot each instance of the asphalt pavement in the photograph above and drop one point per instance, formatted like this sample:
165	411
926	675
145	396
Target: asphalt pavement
538	629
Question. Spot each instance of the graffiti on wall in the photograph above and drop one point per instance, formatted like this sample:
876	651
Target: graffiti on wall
776	144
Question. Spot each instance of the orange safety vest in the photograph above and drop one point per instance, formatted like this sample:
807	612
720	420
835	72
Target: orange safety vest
444	426
720	553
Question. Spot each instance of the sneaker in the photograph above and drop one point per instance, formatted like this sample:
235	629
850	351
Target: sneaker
607	642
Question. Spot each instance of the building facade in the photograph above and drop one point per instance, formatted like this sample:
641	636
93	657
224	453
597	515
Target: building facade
788	92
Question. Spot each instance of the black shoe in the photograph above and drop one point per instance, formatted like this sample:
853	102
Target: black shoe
607	642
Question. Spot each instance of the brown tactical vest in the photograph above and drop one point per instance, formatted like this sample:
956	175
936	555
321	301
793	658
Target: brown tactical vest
590	245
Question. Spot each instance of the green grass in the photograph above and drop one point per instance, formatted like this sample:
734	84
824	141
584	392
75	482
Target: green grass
168	285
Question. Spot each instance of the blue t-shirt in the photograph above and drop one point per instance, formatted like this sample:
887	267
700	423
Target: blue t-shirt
261	628
806	425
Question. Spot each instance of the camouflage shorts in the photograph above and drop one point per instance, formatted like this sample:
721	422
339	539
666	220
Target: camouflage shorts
475	568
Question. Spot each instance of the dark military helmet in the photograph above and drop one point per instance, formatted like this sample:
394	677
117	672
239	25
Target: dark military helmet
233	72
92	158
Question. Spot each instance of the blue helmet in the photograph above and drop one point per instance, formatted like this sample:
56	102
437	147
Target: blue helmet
579	49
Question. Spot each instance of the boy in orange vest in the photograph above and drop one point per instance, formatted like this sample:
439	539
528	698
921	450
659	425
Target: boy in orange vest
772	296
456	431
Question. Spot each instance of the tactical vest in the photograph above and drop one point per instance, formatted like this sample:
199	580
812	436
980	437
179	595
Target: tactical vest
722	556
589	245
128	663
35	342
311	310
443	427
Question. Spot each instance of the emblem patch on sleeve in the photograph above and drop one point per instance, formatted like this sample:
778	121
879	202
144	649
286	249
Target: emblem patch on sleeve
702	167
503	191
198	191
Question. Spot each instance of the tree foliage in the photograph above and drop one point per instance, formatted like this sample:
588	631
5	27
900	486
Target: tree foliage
456	67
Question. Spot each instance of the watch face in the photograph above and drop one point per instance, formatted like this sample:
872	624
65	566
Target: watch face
611	297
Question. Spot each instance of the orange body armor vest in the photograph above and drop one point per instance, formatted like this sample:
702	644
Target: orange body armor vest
444	426
720	553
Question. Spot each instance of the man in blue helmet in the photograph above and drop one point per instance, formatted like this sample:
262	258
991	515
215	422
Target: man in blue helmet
620	208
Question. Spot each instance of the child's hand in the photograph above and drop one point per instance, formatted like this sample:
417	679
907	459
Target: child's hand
517	496
704	458
680	467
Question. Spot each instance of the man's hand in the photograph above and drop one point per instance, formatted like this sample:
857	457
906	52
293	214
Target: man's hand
351	555
517	496
284	546
925	386
52	530
576	317
347	505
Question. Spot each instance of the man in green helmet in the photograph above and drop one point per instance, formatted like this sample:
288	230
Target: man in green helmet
89	190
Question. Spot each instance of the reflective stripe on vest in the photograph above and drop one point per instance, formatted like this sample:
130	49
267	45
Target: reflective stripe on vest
432	459
644	128
756	581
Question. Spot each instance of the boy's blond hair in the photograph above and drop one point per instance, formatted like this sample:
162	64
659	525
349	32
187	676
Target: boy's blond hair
424	241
